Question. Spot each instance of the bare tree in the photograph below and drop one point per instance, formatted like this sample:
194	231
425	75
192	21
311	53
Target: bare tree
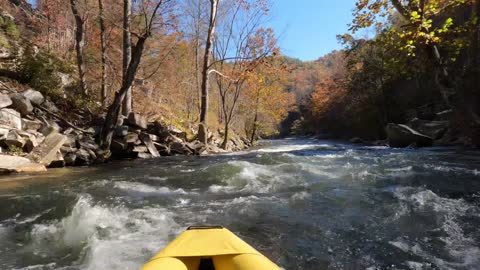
103	52
80	44
203	126
127	53
241	40
159	8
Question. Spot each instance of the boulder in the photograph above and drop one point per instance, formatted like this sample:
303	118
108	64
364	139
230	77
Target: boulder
30	144
178	133
121	131
434	129
49	128
14	140
137	120
34	125
10	118
50	106
70	158
180	149
132	138
70	142
5	101
21	104
146	139
163	150
404	136
83	158
119	146
197	147
46	152
11	164
34	96
58	161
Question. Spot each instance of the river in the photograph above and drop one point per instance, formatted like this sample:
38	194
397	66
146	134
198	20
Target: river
306	204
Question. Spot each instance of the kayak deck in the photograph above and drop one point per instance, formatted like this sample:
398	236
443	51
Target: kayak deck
209	248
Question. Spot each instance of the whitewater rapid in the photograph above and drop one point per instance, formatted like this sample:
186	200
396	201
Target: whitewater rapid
306	204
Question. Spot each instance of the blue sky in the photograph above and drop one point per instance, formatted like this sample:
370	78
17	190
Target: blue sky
307	29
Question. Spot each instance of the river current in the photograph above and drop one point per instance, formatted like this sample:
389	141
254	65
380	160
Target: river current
305	204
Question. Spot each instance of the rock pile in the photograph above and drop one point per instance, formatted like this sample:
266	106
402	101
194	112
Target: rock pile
27	130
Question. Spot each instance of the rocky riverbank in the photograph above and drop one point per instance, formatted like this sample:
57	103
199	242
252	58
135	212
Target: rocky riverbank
35	134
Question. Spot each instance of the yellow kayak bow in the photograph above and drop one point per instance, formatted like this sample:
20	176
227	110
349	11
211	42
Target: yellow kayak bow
209	248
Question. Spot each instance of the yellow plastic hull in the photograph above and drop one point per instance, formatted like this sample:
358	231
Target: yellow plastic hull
218	245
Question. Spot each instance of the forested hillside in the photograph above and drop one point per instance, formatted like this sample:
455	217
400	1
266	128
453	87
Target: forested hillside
421	69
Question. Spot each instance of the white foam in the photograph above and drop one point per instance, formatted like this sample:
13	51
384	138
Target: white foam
112	238
143	188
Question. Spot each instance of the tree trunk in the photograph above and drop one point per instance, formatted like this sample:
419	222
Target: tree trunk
255	119
79	45
104	53
203	127
225	136
106	135
127	53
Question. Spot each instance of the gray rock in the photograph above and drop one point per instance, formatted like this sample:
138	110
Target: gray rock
50	106
197	147
118	146
51	127
163	150
83	158
404	136
14	140
46	152
132	138
11	118
71	141
58	161
149	144
5	101
137	120
121	131
30	144
34	125
34	96
12	164
70	158
180	149
21	104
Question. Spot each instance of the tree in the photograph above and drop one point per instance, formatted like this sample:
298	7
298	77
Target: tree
417	30
151	10
80	22
127	53
103	52
203	126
